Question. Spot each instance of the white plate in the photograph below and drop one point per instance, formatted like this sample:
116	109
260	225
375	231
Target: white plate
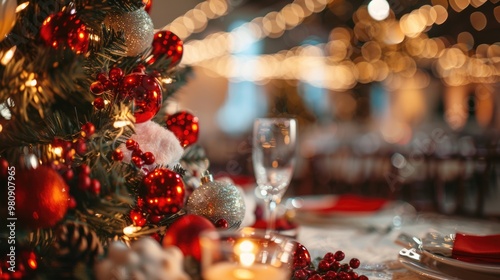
306	212
424	270
486	268
440	271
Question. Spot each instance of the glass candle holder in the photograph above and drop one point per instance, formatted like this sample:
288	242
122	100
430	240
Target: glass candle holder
246	254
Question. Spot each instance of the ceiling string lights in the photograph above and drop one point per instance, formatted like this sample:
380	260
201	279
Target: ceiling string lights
196	19
372	50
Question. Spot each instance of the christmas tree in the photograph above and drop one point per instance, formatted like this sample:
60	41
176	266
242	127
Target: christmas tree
88	154
97	179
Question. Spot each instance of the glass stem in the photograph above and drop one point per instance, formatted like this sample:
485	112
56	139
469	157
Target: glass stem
271	207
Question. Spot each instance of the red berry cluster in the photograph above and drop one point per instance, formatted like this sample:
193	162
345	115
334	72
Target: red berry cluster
329	268
139	158
138	217
85	183
105	83
109	82
65	152
62	159
144	90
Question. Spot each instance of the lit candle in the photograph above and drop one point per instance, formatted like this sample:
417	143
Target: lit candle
246	267
236	271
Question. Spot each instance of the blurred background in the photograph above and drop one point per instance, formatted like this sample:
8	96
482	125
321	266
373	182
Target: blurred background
397	99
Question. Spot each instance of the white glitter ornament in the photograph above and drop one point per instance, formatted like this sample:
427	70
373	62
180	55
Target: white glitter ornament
137	28
158	140
217	200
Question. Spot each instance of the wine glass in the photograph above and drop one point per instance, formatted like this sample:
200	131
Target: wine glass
273	154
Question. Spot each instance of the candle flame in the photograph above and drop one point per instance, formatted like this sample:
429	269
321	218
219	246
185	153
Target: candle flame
246	251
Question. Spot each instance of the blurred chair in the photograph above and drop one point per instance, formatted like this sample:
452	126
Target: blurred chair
454	176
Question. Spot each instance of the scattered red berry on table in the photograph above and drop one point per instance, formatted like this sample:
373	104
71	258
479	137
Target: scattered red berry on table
327	268
339	255
330	257
315	277
354	263
323	265
330	275
300	274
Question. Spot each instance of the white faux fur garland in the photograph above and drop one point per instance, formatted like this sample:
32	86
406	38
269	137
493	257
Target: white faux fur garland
158	140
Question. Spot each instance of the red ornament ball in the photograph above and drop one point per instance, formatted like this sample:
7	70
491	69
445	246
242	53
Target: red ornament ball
163	192
184	233
44	197
63	30
169	45
184	126
146	93
301	257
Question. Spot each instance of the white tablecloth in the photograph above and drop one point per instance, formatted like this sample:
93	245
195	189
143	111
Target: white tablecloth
375	247
370	238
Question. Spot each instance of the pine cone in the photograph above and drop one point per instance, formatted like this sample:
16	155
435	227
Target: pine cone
76	243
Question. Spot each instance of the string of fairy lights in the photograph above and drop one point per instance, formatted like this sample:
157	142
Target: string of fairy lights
389	45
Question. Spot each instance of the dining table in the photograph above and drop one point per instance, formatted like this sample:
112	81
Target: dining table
378	235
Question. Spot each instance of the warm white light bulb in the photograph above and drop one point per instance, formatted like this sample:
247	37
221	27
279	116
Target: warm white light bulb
379	9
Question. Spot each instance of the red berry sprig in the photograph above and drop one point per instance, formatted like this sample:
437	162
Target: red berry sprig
105	83
138	158
329	267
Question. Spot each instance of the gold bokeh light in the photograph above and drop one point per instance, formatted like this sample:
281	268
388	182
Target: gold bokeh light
369	51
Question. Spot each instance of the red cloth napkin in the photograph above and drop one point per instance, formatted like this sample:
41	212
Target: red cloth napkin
475	248
354	203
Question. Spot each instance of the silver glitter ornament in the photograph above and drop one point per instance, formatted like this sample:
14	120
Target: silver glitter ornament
137	28
217	200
